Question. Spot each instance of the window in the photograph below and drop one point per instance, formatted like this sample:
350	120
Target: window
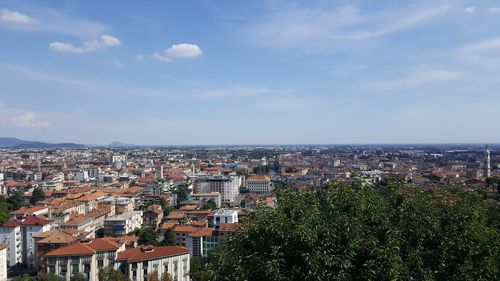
63	269
74	268
52	269
100	263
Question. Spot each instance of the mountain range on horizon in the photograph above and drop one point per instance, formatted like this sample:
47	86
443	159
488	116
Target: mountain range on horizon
11	142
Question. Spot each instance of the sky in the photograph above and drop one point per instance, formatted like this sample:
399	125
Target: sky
250	72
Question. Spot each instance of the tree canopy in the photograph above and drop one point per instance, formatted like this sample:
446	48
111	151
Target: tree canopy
37	195
351	232
109	274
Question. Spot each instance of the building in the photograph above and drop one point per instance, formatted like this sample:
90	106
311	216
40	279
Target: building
202	241
10	234
227	186
259	184
138	263
48	241
225	216
84	257
122	224
202	198
3	262
153	215
19	235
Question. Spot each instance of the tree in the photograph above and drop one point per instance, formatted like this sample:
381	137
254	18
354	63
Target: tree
78	277
199	270
166	277
16	200
168	239
109	274
210	205
147	236
153	276
182	194
351	232
37	195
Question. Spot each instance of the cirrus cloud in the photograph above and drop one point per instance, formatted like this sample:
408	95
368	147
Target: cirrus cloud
103	42
182	50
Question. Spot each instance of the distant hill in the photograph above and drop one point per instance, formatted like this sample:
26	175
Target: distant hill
19	143
121	144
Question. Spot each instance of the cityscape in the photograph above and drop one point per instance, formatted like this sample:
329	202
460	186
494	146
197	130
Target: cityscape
264	140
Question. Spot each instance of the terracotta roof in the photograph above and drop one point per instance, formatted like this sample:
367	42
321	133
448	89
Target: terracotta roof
188	207
228	226
24	210
85	247
176	216
203	232
35	220
186	228
3	246
168	225
77	249
58	237
199	223
151	253
258	178
11	224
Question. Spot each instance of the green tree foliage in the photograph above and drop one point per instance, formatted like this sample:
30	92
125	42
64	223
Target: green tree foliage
199	270
210	205
109	274
37	195
78	277
41	277
169	238
261	170
351	232
16	200
182	194
147	236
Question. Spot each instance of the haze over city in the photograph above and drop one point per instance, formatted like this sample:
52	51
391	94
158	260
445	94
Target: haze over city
265	72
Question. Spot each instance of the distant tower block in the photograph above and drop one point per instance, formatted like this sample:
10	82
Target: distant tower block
159	172
487	171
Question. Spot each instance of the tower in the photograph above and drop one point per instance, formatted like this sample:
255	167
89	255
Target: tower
159	172
487	171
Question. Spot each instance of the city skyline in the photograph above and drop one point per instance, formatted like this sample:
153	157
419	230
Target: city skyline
266	72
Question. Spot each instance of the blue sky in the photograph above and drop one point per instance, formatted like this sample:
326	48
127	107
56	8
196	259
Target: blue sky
250	72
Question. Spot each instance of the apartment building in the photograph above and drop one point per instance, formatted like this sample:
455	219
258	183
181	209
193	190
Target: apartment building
3	262
122	224
227	186
202	198
84	257
259	184
138	263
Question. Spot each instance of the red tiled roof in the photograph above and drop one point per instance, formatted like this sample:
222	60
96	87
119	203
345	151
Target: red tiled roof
203	232
141	254
77	249
186	228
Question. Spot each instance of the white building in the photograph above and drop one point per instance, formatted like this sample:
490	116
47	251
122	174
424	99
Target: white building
82	176
227	186
259	184
84	257
10	234
122	224
202	198
225	216
19	236
138	263
3	262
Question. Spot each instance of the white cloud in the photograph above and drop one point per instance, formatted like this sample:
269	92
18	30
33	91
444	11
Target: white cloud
417	79
494	10
182	50
323	27
88	46
26	120
470	10
232	92
8	16
139	57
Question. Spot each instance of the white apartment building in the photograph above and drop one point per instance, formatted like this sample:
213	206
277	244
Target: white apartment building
227	186
202	198
225	216
261	185
3	262
122	224
10	235
85	257
19	236
138	263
